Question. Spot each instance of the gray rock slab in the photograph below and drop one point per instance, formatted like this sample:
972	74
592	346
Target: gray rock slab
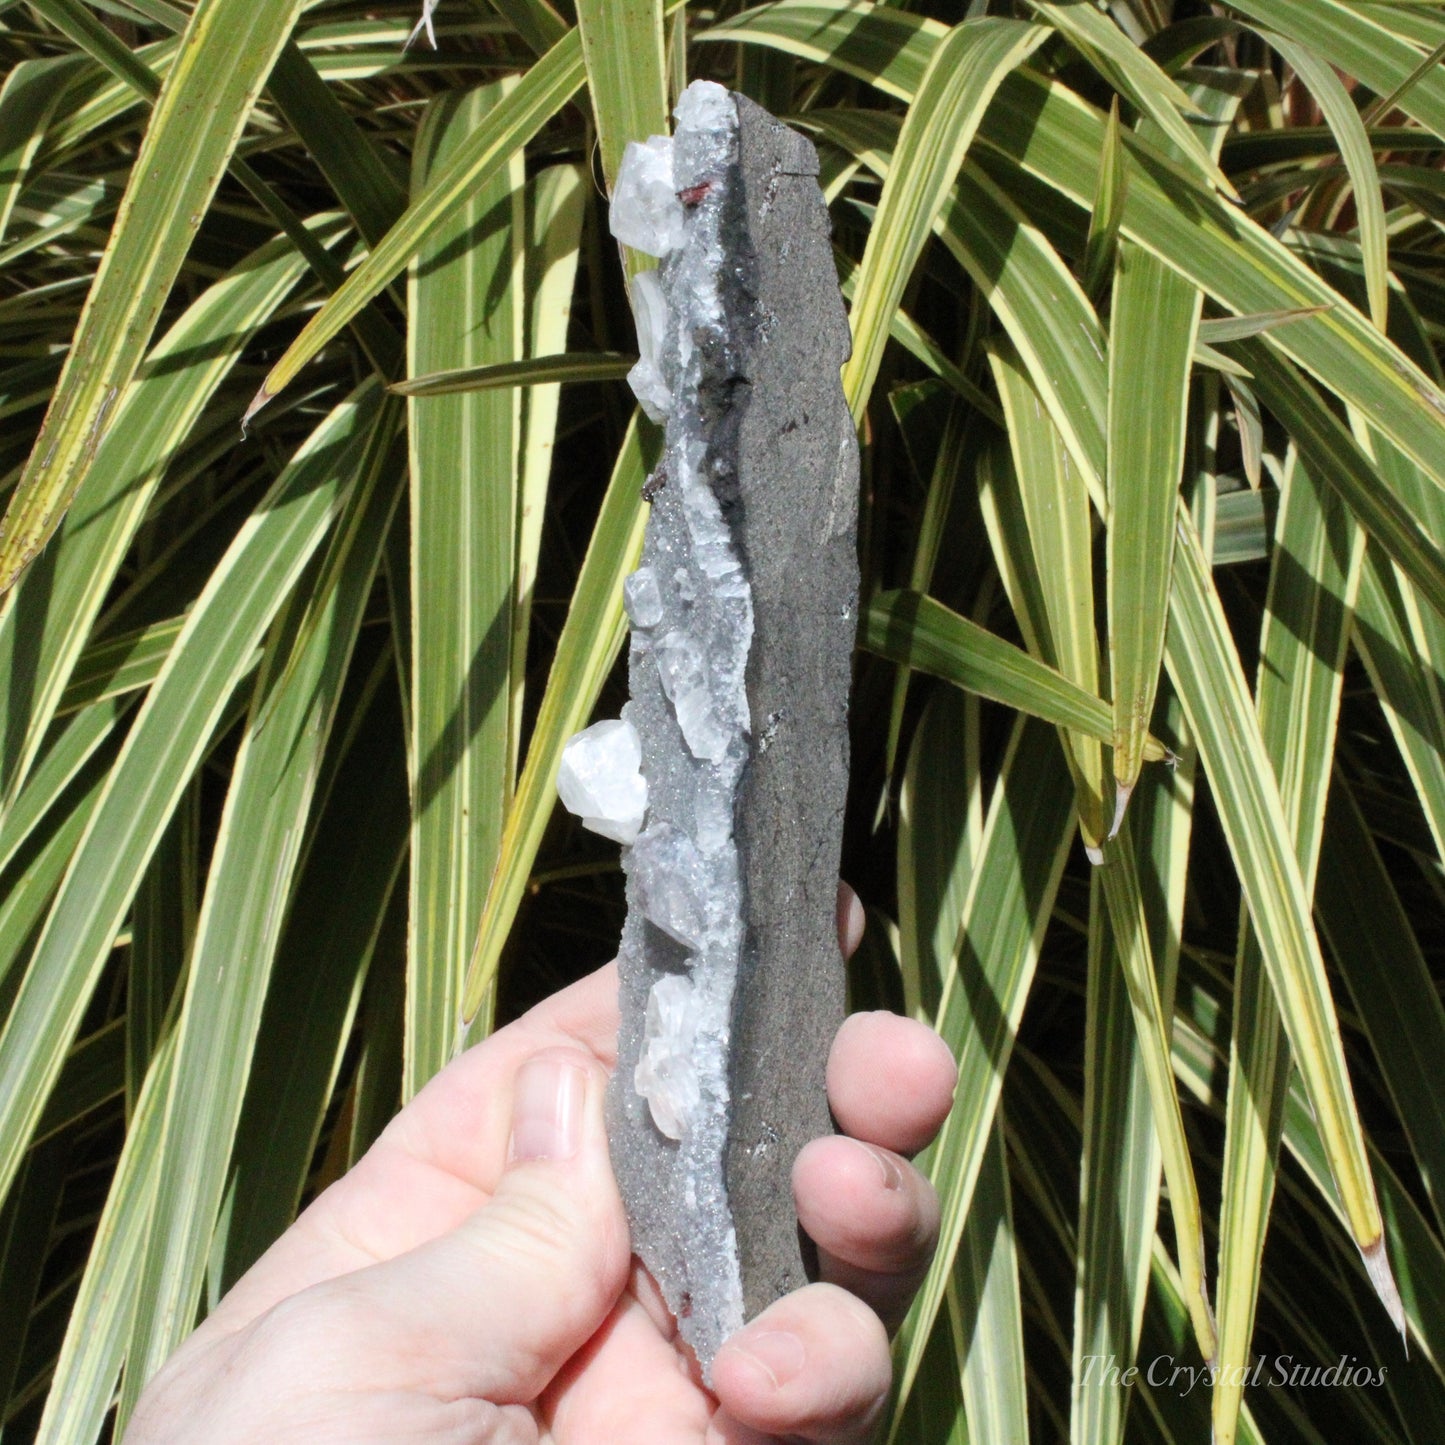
751	571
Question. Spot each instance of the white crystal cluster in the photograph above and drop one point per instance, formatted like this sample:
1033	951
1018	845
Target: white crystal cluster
600	779
690	607
688	885
646	212
666	1069
702	660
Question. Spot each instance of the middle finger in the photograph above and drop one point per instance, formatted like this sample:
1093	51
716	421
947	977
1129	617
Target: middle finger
873	1216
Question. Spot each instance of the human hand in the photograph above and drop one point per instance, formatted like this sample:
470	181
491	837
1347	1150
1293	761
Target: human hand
470	1279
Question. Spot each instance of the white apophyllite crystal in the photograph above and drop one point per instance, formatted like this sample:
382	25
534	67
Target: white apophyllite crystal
600	779
650	390
706	106
666	1075
684	673
671	879
642	598
646	213
650	314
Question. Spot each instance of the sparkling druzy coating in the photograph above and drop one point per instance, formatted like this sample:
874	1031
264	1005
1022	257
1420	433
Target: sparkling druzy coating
682	944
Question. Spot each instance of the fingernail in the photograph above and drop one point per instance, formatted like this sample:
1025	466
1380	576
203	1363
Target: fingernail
888	1168
547	1103
777	1353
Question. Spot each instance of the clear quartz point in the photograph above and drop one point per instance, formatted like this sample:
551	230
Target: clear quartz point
685	680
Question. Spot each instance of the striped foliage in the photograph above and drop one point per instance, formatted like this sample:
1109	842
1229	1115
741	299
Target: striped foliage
1147	369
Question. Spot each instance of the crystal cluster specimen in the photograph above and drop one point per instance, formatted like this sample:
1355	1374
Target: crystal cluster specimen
742	618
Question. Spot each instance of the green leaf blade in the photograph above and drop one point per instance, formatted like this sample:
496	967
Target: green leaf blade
1151	343
465	451
963	75
229	48
488	150
164	744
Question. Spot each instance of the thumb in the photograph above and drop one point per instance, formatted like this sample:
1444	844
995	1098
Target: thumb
504	1300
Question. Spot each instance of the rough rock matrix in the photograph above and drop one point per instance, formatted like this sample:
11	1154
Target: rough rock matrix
743	615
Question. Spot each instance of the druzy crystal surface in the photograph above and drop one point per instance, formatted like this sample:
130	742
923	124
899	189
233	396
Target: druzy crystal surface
689	703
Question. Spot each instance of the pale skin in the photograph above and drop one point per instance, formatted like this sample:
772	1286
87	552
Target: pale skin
470	1281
